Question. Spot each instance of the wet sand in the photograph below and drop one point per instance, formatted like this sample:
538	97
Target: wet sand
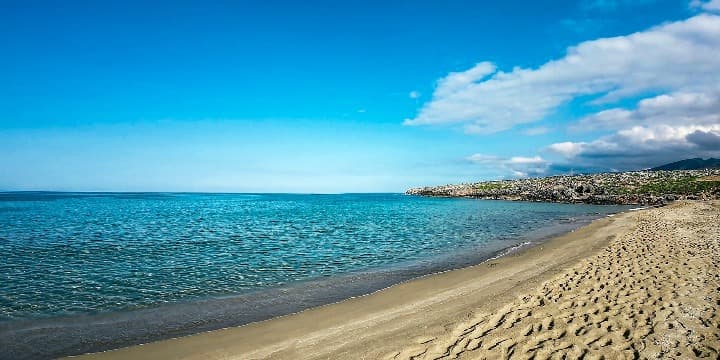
639	284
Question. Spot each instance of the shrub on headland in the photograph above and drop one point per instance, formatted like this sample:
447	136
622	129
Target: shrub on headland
634	187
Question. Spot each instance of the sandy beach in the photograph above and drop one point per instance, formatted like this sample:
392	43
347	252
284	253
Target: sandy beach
642	284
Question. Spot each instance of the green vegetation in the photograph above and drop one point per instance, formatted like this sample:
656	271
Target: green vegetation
683	186
632	187
488	186
615	189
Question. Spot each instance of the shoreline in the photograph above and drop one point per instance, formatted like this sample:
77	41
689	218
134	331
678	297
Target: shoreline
278	337
98	332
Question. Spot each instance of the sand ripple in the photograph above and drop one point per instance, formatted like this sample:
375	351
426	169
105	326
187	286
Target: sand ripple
653	292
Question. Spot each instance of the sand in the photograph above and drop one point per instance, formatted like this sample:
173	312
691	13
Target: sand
642	284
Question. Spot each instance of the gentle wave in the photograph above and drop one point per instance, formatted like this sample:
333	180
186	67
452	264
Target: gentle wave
70	254
113	270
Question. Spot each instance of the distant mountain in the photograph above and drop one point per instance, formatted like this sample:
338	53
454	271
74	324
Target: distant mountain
690	164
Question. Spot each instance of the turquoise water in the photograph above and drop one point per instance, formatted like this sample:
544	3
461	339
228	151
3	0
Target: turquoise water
66	255
78	253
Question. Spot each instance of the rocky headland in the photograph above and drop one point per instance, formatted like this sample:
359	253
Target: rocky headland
624	188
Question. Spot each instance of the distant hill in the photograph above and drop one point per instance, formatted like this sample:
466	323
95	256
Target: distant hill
690	164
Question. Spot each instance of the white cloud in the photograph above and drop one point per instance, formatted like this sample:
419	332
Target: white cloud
483	159
711	5
527	160
567	149
414	94
675	58
518	166
660	129
538	130
674	109
643	146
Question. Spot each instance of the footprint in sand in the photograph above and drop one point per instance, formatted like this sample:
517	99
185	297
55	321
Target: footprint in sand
652	293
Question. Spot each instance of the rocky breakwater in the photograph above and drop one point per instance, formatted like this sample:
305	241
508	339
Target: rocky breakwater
625	188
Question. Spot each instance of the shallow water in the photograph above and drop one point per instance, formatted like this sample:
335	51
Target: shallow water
155	263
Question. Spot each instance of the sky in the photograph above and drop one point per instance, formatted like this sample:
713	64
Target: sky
349	96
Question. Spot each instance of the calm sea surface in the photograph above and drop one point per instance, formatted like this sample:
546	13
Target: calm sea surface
74	256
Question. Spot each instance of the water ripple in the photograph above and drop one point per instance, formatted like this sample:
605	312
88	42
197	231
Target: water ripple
66	254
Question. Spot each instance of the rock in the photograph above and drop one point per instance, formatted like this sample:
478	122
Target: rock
635	187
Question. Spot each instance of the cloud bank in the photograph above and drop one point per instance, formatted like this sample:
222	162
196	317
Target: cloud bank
711	5
677	63
520	166
642	147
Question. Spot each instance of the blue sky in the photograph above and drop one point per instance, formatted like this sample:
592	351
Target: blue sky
352	96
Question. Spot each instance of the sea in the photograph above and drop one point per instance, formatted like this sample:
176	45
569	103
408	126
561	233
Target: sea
87	272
